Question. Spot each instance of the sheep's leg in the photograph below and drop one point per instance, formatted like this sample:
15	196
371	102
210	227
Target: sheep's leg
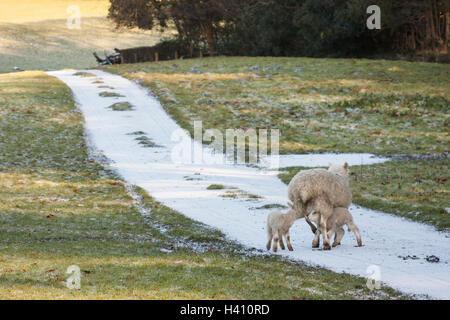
275	241
338	237
288	241
355	229
316	241
281	242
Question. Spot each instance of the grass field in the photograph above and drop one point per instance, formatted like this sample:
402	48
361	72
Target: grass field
338	105
59	207
343	105
34	34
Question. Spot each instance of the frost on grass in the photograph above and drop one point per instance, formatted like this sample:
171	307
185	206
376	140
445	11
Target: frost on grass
215	187
240	194
146	142
136	133
121	106
84	74
315	111
107	94
234	193
272	206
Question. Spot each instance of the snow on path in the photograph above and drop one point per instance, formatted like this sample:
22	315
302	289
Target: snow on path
182	187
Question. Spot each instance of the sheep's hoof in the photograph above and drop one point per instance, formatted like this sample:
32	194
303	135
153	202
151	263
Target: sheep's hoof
326	247
360	244
315	245
290	248
336	244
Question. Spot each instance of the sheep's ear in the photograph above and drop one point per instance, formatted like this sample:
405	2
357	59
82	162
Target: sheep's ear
291	205
346	166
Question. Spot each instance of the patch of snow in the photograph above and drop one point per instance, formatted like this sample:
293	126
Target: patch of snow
385	237
323	159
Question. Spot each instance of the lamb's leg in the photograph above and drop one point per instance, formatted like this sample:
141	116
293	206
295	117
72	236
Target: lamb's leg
281	242
269	238
307	211
355	229
330	233
326	211
338	237
300	212
275	241
288	241
313	227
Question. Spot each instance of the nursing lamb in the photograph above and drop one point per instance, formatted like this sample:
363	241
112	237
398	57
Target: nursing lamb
340	217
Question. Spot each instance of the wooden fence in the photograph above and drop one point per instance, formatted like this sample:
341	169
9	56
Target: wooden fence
146	54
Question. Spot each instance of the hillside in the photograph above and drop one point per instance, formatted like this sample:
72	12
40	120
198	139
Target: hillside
34	35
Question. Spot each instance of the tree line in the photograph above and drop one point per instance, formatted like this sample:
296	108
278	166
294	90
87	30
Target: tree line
332	28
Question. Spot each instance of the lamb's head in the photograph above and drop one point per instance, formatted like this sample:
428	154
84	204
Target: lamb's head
340	170
314	217
292	214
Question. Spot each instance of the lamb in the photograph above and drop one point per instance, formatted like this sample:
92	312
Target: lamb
278	225
340	217
320	190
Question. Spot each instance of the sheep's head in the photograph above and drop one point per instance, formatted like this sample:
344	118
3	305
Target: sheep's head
340	170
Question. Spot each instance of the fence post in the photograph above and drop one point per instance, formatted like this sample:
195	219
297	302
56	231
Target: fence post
176	55
156	56
201	54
